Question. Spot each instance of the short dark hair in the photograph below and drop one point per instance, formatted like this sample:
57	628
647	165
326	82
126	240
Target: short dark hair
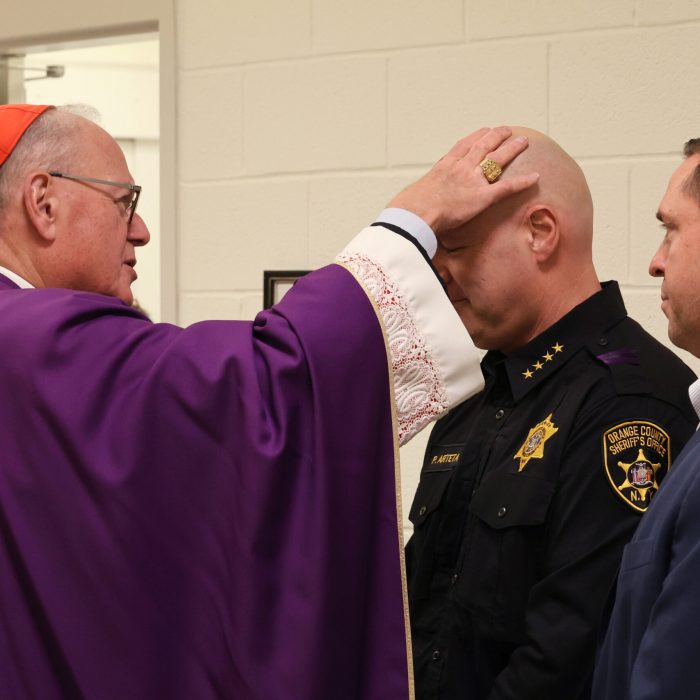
692	184
691	147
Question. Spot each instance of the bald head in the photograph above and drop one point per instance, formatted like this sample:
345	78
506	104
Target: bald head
527	260
562	187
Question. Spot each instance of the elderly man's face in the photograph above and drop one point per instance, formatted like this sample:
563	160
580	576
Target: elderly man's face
487	281
99	250
678	260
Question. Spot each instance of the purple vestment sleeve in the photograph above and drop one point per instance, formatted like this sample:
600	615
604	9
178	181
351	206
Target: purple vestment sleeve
198	513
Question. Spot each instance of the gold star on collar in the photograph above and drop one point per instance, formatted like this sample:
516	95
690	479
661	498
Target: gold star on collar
527	374
557	348
538	365
548	357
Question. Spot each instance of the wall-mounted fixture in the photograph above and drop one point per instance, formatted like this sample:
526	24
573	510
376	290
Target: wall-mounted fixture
47	72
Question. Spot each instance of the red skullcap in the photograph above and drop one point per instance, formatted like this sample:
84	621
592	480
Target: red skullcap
14	121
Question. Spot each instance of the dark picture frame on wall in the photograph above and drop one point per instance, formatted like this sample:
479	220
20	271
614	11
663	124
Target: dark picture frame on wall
277	282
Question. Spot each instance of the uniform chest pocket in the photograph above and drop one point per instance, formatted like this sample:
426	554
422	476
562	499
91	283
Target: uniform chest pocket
431	489
511	500
503	557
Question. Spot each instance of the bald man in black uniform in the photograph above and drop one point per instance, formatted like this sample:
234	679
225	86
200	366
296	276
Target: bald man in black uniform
530	490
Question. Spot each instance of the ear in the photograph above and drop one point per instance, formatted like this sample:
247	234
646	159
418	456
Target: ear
543	228
41	204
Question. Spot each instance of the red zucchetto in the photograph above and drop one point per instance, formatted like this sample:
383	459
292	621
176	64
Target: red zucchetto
14	121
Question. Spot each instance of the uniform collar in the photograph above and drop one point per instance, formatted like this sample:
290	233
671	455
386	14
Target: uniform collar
585	324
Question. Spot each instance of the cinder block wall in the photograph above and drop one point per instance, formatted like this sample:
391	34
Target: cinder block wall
298	119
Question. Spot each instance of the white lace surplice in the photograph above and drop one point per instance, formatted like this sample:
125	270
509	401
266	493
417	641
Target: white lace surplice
433	360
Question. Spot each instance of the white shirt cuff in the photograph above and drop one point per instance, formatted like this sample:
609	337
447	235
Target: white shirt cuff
413	225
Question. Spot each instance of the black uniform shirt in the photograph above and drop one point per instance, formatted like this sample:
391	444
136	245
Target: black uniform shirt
528	493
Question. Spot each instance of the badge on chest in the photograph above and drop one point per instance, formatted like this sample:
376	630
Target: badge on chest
533	447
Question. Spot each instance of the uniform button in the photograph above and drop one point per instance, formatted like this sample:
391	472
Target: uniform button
454	578
500	413
422	510
602	341
502	511
436	655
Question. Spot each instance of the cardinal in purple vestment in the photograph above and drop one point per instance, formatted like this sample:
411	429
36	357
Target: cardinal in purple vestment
211	511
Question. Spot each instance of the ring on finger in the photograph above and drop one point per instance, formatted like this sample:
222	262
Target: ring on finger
491	169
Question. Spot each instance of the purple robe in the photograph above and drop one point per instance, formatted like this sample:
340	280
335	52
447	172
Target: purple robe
198	513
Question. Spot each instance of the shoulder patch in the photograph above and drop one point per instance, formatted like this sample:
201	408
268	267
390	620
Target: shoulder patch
637	456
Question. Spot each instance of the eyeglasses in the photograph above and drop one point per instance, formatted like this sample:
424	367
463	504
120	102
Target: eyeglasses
133	198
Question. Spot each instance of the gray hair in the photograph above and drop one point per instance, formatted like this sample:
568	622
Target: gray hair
48	144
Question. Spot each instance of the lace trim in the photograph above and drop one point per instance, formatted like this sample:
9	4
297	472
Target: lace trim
418	387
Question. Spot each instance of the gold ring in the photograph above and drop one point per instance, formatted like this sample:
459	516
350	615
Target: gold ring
491	169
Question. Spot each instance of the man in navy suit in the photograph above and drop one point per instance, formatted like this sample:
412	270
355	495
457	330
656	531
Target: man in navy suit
652	646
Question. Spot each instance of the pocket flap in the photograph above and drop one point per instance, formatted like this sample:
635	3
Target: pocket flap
432	486
508	500
637	553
